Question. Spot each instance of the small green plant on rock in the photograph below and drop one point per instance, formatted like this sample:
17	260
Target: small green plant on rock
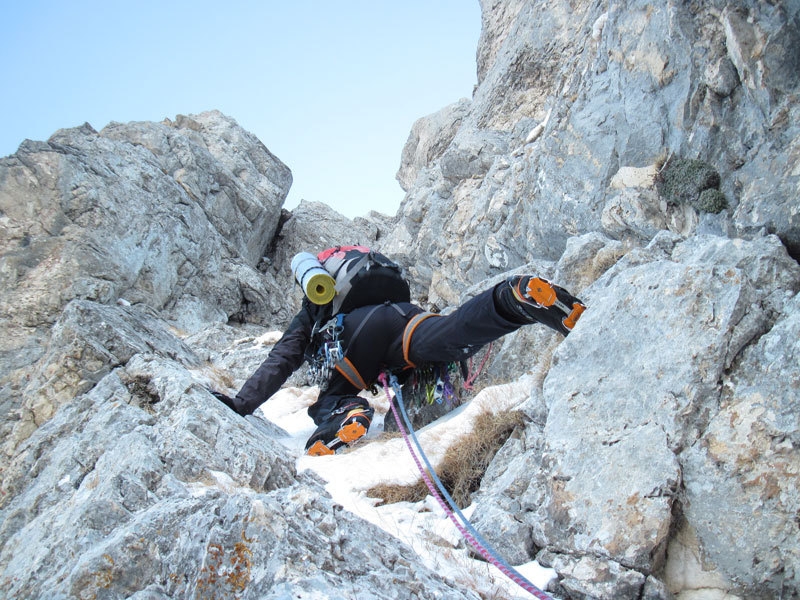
712	201
691	181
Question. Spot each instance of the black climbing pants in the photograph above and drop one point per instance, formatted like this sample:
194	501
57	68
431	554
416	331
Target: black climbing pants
373	341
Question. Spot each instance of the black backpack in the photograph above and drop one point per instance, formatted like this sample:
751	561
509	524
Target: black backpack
363	277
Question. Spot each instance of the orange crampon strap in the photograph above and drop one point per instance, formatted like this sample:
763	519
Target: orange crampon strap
319	448
347	434
572	318
352	432
541	291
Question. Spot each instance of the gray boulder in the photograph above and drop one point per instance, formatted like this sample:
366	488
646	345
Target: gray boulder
185	202
429	138
157	218
641	421
741	475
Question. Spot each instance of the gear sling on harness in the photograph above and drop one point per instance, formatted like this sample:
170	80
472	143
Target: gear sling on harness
345	367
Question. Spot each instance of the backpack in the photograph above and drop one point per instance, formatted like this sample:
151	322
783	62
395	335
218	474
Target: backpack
363	277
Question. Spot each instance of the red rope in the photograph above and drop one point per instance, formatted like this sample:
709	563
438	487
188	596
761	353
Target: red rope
467	385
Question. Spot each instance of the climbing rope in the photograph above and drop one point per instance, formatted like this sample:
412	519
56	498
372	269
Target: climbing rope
439	492
467	385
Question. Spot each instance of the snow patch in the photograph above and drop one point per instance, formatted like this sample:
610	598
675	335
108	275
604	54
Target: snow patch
380	459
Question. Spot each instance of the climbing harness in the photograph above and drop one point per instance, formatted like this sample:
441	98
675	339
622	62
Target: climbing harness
440	493
409	330
331	355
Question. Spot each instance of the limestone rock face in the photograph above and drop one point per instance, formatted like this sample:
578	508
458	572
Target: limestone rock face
659	428
106	212
658	412
130	264
742	475
679	325
147	486
168	217
571	95
429	138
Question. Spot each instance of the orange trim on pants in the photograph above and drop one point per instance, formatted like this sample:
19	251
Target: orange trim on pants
348	370
411	327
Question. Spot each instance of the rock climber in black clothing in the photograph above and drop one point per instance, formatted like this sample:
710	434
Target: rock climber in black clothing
392	334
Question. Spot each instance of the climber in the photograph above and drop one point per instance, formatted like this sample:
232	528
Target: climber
350	342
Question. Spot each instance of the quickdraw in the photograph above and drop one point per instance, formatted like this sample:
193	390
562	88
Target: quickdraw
433	383
329	352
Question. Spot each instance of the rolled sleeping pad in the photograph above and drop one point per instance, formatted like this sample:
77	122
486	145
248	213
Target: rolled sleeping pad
318	285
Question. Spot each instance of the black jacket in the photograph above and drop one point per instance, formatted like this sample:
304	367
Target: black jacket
283	360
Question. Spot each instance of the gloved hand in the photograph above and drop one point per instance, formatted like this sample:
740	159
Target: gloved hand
226	400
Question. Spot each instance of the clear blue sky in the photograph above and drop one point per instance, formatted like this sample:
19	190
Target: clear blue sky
331	88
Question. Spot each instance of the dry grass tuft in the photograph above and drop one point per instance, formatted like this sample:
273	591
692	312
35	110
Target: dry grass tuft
464	463
390	494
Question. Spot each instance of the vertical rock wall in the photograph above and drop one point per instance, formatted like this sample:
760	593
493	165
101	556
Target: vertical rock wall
645	155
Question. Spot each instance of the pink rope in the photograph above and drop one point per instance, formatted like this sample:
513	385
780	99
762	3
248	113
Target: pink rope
483	551
467	385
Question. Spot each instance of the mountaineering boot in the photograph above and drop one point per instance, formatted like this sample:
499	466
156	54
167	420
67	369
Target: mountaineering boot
529	299
339	432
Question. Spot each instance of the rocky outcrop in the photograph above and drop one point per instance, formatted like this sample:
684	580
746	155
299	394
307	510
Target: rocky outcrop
130	286
148	487
170	217
570	98
194	181
644	156
638	428
429	138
